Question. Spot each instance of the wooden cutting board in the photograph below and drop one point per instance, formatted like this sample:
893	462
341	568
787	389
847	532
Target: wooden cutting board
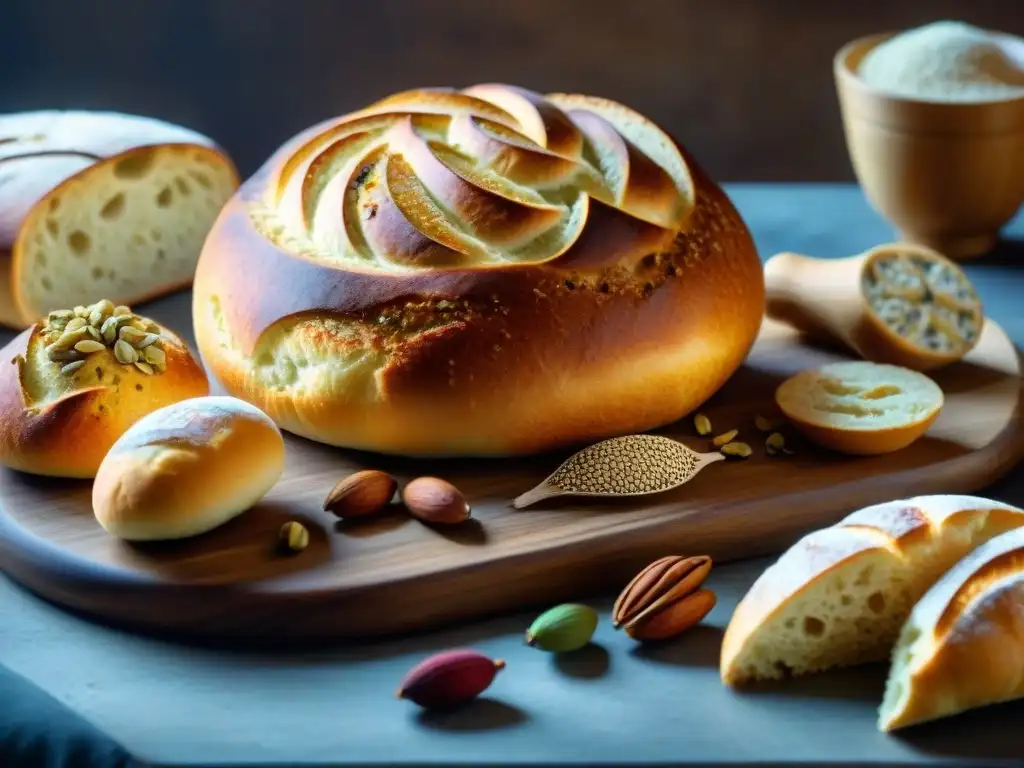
394	574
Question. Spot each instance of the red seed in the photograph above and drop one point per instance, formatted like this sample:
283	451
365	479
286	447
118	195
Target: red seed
449	678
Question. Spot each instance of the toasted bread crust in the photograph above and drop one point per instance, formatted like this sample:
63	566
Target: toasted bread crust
628	327
922	537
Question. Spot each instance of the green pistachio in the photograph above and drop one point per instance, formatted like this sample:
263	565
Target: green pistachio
563	628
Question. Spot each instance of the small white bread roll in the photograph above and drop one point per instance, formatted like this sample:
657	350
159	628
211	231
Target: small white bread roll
860	408
963	645
187	468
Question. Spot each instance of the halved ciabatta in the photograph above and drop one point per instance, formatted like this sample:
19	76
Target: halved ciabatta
963	645
839	596
101	205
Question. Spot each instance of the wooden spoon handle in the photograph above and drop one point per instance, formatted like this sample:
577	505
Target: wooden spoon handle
818	297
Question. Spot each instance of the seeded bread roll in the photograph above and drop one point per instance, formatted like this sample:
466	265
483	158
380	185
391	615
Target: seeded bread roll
963	645
860	408
96	204
839	596
187	468
72	384
479	272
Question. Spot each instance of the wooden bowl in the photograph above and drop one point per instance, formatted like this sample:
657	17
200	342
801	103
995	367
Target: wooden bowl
948	175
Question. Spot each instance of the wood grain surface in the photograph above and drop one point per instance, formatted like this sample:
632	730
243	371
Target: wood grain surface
394	574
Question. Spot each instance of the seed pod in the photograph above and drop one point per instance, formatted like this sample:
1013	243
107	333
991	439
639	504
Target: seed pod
449	679
563	628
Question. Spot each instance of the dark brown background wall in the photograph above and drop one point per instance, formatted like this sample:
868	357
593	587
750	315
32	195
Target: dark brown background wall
747	84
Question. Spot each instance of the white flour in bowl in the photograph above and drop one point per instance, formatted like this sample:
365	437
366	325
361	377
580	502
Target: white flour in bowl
947	61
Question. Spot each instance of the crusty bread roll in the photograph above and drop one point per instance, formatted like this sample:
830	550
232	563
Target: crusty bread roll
963	645
73	383
478	272
860	408
96	204
839	596
187	468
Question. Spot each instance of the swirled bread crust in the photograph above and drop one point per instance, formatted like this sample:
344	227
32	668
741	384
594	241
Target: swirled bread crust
478	272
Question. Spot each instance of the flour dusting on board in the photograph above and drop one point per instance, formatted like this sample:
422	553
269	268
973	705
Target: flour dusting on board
948	61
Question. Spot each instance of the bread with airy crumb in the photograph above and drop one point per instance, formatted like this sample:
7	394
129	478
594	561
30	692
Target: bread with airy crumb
839	596
186	469
60	411
101	205
963	645
488	271
859	407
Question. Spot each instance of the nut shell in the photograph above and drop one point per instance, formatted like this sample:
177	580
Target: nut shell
361	494
675	618
434	500
450	678
663	582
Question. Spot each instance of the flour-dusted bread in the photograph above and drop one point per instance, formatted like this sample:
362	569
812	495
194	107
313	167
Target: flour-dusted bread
101	205
488	271
963	645
860	408
839	596
73	383
186	469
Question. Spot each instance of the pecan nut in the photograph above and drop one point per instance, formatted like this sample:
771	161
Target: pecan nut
665	598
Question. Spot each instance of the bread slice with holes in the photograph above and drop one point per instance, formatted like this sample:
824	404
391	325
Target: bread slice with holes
839	596
102	205
963	645
860	408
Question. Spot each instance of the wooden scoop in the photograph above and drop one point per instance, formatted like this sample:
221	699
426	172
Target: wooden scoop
897	303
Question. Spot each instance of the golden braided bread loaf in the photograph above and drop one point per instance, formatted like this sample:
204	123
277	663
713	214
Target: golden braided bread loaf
478	272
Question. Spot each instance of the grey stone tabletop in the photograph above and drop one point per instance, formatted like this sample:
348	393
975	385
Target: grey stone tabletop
613	702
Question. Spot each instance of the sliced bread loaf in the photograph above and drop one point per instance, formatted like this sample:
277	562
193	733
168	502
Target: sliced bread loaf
103	205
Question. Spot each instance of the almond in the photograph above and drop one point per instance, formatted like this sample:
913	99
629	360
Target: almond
361	494
434	500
